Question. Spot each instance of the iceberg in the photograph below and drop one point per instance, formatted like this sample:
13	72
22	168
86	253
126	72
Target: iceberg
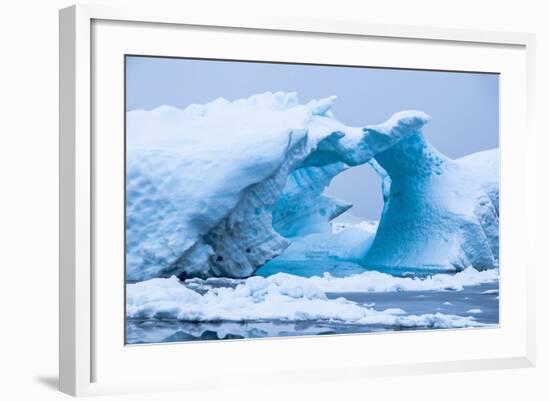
220	189
202	183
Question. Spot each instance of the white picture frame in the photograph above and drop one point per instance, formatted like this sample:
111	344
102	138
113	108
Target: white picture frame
80	342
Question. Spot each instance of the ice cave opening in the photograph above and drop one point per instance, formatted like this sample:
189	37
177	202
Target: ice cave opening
368	202
331	229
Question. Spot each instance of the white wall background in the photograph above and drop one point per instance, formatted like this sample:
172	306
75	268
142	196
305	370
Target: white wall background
29	185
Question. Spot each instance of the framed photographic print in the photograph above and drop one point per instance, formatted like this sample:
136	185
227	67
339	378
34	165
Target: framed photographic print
239	194
266	215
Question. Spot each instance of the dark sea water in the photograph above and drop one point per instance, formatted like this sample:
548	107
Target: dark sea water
483	297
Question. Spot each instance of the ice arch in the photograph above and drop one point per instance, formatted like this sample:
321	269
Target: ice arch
222	188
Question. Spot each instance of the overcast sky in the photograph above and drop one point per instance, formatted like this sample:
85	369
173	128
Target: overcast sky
464	106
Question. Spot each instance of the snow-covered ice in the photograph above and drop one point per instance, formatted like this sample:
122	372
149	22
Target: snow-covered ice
283	297
369	281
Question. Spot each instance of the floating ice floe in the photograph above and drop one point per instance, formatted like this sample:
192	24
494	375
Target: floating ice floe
283	297
368	281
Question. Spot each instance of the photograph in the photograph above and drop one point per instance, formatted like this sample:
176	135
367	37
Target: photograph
275	201
272	199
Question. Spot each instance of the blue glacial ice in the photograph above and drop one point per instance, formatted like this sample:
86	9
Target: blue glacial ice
218	190
439	213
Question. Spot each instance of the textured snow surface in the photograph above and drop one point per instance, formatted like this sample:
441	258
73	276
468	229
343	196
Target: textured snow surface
291	298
